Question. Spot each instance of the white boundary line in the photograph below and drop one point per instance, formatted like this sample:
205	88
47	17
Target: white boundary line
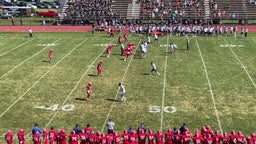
104	125
19	98
25	61
78	82
164	87
241	64
210	87
16	47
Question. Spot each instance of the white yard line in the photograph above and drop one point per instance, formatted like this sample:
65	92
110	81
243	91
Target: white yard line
25	61
20	97
210	87
15	47
164	87
75	87
241	64
105	122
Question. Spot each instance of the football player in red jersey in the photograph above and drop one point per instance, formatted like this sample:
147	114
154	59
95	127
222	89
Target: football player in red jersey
198	139
21	137
9	137
73	138
159	137
52	136
45	136
142	137
99	67
125	37
168	136
151	137
82	137
125	137
89	93
109	49
117	139
36	138
50	55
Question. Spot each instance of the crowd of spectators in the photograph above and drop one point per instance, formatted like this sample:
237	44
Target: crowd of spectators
82	10
141	135
252	2
174	8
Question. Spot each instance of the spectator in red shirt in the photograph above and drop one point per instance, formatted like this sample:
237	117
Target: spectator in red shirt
21	137
9	137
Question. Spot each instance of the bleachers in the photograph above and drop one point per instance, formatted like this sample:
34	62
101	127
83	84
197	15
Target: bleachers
120	7
237	9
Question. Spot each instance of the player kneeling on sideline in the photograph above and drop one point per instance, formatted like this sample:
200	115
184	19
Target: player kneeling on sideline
122	90
154	69
173	48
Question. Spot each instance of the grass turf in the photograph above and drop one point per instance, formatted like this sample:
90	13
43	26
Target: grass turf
211	84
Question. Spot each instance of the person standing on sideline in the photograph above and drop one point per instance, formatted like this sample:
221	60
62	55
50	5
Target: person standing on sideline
35	129
246	32
188	43
111	126
154	69
122	90
13	21
50	55
30	32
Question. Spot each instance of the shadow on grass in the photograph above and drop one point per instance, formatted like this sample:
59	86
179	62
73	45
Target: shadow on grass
92	75
80	99
45	61
146	73
110	99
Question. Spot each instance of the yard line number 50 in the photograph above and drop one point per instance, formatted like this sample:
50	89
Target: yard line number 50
157	109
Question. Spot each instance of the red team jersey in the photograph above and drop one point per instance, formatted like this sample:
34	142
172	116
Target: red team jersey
21	137
9	137
82	137
52	136
45	137
159	138
142	138
36	138
125	138
73	138
151	138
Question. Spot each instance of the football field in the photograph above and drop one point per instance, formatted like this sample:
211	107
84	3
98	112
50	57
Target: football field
213	83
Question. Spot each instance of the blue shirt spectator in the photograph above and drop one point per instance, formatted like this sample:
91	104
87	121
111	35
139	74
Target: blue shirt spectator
36	129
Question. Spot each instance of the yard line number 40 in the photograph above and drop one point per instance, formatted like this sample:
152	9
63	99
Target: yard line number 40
157	109
68	107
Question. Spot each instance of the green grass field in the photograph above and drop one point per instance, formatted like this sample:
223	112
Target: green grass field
211	84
